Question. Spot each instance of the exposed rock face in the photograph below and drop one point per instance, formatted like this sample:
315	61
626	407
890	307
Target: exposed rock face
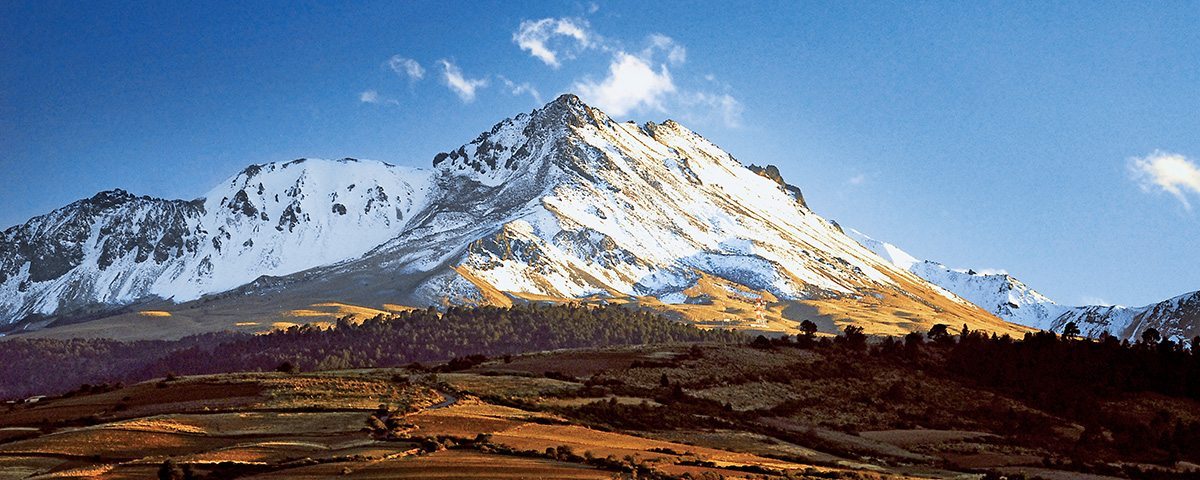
772	172
111	234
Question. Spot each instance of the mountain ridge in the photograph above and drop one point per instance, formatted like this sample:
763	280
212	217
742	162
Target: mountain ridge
562	203
1007	297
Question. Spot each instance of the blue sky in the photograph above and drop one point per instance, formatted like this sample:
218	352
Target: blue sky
1055	140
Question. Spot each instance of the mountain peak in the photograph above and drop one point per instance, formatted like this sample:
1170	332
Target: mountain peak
112	197
506	148
560	202
567	100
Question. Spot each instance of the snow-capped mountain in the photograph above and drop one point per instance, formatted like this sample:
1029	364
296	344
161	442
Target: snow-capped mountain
998	293
1177	318
116	248
1014	301
560	203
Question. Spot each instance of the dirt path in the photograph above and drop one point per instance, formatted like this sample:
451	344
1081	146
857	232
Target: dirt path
447	401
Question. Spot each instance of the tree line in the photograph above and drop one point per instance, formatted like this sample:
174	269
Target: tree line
51	366
1065	375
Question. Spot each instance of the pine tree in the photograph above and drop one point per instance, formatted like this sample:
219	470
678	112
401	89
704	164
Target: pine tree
939	333
1070	331
1150	336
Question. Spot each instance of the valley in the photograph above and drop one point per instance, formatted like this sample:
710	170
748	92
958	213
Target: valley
682	410
599	240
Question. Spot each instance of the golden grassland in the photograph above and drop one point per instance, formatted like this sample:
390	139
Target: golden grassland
272	425
507	386
331	311
713	302
719	303
491	295
443	464
504	419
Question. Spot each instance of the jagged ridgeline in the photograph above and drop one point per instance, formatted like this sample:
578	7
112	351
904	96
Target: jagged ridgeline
1177	318
559	204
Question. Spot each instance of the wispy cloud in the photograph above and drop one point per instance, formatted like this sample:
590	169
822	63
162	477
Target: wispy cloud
632	83
857	179
536	36
711	107
643	80
523	88
406	67
639	78
462	86
676	53
373	97
1169	172
1092	300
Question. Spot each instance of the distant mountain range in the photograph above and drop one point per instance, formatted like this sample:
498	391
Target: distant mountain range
1013	300
559	204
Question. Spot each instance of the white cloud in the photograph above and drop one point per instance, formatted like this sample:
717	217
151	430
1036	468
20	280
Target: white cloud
1170	172
535	36
857	179
631	84
406	67
373	97
638	80
676	53
462	86
523	88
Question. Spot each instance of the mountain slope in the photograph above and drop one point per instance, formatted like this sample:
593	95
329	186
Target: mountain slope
561	203
1014	301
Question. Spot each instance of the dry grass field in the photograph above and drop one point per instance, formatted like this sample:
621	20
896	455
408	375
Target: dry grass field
713	303
271	425
443	464
668	411
823	407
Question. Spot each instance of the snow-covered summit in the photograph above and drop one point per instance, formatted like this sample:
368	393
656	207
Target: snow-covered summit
561	202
